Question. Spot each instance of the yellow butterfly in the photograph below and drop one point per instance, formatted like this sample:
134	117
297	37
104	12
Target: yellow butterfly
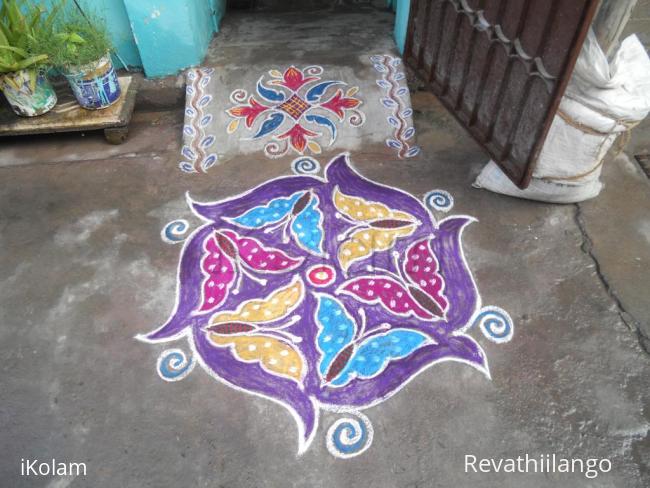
247	331
376	227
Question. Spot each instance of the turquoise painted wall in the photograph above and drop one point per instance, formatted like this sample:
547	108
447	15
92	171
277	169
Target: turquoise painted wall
116	18
170	34
401	8
118	24
163	36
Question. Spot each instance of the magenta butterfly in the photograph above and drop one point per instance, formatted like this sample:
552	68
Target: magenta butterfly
417	291
227	256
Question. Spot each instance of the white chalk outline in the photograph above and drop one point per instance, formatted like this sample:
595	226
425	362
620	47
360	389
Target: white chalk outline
303	444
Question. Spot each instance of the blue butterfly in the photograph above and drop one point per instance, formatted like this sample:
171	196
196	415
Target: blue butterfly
298	214
348	352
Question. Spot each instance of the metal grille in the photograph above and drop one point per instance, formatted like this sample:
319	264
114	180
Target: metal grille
500	66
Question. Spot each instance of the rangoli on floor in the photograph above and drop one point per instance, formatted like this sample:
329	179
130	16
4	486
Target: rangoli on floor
327	292
300	110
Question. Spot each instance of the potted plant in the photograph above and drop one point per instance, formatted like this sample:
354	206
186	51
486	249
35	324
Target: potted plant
23	74
80	49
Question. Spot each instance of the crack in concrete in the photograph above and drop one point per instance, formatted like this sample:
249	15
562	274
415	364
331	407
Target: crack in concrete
627	318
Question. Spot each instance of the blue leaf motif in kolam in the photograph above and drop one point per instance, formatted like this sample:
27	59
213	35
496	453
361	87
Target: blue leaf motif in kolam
186	167
190	112
205	99
315	93
189	130
402	91
388	102
414	151
269	125
407	113
324	121
207	141
206	120
189	90
394	143
383	84
205	81
393	121
188	153
268	93
209	162
263	215
409	133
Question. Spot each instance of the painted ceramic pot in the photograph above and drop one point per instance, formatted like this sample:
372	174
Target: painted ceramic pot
27	96
95	84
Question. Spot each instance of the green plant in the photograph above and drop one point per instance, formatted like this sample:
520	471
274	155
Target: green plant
75	39
20	23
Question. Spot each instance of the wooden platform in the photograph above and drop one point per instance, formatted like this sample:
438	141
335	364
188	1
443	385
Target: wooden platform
68	116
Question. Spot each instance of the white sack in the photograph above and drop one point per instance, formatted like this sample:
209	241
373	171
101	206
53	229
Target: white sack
601	101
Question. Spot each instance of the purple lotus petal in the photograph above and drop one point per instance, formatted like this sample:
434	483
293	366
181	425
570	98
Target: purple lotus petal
188	294
460	289
253	379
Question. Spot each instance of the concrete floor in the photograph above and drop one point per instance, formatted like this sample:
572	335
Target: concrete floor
83	270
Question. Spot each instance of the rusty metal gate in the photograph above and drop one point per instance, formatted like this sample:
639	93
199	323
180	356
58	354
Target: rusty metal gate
500	66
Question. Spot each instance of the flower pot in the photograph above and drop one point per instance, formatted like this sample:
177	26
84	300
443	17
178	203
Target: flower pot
28	97
95	84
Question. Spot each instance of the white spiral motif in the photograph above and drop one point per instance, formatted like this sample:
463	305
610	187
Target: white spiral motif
495	323
173	365
238	96
276	150
356	119
440	200
313	70
349	437
174	232
305	166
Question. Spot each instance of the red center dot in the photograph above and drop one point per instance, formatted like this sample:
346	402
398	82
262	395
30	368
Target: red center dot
321	275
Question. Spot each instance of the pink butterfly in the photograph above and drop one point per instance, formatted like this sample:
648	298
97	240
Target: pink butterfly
417	291
228	256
